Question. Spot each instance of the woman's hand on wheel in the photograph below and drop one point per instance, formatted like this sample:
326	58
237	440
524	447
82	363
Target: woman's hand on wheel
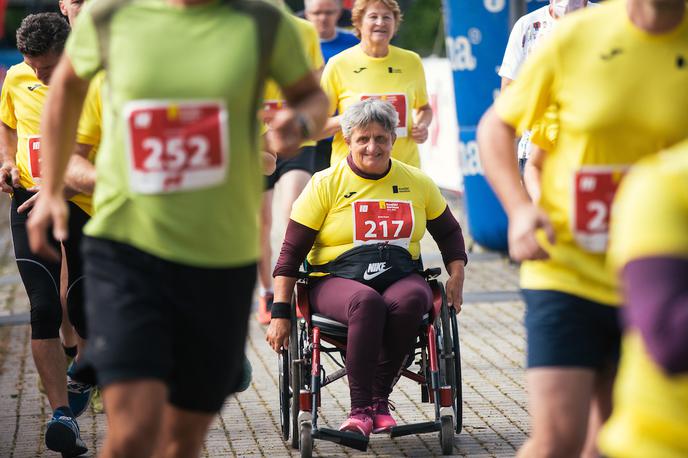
454	286
278	333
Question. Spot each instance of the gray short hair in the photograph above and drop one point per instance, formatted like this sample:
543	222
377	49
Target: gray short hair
366	112
308	3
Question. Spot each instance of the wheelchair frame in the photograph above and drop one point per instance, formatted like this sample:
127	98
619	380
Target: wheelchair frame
301	375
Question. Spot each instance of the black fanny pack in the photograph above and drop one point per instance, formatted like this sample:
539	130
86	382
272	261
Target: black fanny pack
377	266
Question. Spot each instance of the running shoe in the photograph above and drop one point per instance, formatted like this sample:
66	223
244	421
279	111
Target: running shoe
78	394
62	435
246	375
360	421
265	307
382	419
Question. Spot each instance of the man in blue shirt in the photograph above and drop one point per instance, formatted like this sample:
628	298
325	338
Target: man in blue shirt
324	14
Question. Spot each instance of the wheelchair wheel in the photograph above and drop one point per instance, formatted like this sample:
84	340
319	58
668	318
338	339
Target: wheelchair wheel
450	367
458	398
296	378
284	395
447	435
306	440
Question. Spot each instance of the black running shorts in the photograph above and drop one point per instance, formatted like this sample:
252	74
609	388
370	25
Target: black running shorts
152	318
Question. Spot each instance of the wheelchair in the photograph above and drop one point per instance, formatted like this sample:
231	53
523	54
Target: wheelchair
302	376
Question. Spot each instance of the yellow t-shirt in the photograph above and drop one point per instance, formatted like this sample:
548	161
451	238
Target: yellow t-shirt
272	97
650	219
21	105
399	78
618	98
348	210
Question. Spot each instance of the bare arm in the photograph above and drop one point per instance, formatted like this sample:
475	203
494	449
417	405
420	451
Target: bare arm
307	113
422	118
81	173
505	82
59	124
532	171
8	154
496	140
332	126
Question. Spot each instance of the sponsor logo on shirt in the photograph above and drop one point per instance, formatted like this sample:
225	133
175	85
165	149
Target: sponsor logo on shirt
396	189
611	54
360	69
349	194
33	87
680	61
375	269
393	70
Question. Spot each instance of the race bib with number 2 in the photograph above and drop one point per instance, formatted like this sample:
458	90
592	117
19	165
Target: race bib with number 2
400	104
34	145
176	146
594	190
378	221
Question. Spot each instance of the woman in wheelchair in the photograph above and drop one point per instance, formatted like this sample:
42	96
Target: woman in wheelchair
359	223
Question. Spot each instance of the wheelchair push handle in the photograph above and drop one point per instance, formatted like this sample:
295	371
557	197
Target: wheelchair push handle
431	273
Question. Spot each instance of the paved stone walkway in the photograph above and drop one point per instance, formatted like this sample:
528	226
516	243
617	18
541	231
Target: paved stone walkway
492	344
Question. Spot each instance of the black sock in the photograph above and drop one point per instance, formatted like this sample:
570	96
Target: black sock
70	351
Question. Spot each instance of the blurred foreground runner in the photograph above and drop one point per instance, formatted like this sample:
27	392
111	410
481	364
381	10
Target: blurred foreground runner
172	248
616	77
649	250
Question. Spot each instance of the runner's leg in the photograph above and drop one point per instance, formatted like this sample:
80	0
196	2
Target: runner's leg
183	432
559	404
67	333
289	188
134	411
600	410
40	278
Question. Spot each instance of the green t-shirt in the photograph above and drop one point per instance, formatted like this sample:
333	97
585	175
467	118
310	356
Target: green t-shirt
179	172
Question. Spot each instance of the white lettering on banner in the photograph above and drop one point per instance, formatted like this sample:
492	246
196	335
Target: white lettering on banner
494	6
475	36
470	159
460	52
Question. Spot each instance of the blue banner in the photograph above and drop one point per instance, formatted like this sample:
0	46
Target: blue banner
477	32
8	57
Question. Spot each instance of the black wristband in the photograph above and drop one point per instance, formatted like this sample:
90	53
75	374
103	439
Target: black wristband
281	310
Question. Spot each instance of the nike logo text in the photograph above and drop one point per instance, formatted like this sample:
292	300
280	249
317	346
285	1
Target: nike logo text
33	87
360	69
349	194
375	269
611	54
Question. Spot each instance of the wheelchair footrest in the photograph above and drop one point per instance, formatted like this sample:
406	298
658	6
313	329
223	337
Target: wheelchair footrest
345	438
415	428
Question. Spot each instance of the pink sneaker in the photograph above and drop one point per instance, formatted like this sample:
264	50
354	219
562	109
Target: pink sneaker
382	419
360	421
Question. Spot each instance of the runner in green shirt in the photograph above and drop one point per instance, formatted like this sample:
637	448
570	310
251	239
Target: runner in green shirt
172	247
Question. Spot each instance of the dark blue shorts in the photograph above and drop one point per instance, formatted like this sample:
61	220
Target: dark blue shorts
564	330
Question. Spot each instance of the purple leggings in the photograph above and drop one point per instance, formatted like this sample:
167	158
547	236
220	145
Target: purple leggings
382	329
